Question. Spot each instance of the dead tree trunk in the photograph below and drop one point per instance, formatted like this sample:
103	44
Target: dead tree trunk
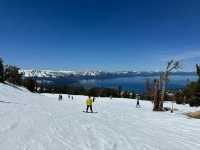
156	95
163	79
198	72
158	102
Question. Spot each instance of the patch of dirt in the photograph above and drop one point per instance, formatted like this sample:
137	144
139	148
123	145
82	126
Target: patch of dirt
194	114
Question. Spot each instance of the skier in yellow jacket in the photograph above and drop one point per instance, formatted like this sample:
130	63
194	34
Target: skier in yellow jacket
89	102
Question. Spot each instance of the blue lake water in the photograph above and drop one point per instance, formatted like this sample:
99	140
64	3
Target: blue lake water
137	83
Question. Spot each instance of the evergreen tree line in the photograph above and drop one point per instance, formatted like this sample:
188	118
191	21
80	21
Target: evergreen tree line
191	93
10	73
80	90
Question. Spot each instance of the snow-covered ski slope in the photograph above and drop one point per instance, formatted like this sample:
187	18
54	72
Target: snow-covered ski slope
40	122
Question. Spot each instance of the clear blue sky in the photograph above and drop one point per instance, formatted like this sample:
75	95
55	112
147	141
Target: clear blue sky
99	34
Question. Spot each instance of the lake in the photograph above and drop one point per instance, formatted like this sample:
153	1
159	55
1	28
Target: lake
137	83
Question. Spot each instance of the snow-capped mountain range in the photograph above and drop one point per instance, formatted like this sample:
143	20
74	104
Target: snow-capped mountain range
58	73
89	74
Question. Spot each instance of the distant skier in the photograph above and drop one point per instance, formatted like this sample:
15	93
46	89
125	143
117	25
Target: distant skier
138	102
60	97
89	102
93	99
72	97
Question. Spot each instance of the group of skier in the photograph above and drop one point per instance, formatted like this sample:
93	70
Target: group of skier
60	97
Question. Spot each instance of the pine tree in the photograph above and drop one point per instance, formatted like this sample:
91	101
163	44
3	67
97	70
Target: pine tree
30	83
198	71
12	74
1	71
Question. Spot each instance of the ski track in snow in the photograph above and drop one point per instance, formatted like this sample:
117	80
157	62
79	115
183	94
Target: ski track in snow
41	122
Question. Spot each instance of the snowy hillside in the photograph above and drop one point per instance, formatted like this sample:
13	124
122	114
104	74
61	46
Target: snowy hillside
41	122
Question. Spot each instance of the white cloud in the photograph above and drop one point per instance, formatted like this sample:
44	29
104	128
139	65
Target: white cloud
186	55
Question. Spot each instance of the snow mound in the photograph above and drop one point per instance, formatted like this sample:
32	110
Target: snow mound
41	122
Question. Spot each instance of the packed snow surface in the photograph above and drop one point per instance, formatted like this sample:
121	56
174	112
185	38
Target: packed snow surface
40	122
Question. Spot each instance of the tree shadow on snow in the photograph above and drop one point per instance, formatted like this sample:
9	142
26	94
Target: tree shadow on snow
6	102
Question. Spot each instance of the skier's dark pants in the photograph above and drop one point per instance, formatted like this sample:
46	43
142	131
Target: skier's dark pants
137	105
89	106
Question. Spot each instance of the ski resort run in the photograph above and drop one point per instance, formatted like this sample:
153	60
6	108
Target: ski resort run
40	122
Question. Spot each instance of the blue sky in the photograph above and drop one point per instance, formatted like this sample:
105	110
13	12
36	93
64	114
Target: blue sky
100	34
